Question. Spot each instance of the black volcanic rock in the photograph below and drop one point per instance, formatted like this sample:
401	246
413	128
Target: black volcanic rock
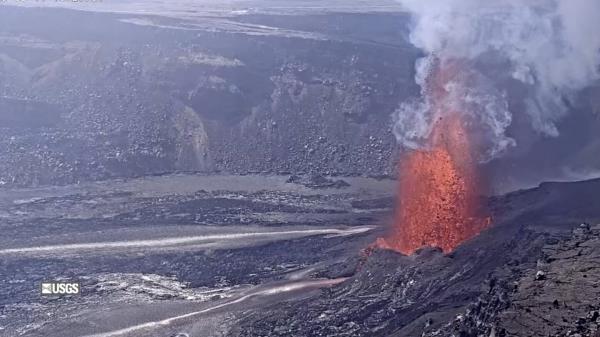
136	100
490	286
392	295
317	181
81	104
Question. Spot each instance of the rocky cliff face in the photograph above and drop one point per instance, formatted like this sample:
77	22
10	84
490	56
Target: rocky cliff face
89	96
81	101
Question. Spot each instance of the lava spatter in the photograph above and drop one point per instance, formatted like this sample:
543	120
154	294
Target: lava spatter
439	187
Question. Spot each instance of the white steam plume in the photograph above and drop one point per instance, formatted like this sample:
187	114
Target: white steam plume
535	52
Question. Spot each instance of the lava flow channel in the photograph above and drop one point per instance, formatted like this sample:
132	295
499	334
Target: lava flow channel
439	187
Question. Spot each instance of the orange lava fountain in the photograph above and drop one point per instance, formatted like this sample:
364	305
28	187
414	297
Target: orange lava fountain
438	188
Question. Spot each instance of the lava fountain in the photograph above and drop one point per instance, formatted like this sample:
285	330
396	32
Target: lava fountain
439	186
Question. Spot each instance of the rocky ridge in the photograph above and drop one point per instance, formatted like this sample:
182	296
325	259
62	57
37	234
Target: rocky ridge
533	274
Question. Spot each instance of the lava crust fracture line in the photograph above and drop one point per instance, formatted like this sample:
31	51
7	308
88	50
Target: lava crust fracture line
166	242
266	292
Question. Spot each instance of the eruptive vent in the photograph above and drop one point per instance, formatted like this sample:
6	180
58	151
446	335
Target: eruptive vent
438	186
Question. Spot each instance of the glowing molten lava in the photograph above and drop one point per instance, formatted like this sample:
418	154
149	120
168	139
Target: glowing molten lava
438	191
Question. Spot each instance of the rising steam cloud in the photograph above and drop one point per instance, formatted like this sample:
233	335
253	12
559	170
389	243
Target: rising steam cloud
530	54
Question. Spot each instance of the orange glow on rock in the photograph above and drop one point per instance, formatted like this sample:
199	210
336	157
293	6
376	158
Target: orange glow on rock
439	189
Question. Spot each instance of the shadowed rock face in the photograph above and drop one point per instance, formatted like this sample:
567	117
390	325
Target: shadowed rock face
95	102
89	96
516	279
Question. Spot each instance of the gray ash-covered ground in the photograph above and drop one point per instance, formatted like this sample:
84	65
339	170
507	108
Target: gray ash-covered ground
532	274
248	233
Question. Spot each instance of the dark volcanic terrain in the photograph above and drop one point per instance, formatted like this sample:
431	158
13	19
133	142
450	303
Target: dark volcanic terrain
256	256
151	95
535	273
221	170
93	95
152	248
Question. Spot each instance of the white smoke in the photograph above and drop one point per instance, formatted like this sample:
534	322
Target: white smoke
548	49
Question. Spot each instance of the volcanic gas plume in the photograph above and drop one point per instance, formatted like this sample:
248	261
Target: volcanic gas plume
439	185
484	61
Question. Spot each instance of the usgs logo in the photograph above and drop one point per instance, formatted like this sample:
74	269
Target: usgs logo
60	288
